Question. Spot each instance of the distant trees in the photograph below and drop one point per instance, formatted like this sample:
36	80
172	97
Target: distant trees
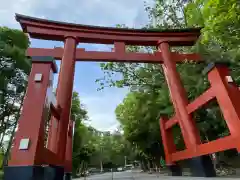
93	148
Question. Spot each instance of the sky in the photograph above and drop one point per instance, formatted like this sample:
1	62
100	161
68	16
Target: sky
99	104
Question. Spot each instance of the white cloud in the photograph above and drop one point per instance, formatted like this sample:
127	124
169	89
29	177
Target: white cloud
101	107
10	7
94	12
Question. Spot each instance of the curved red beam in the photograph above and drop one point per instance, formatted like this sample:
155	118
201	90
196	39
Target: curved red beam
55	30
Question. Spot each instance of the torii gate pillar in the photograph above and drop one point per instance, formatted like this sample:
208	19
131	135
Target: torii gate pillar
178	93
59	135
187	124
64	93
28	154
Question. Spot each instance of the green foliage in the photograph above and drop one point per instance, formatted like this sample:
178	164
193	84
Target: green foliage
193	14
79	114
222	22
138	116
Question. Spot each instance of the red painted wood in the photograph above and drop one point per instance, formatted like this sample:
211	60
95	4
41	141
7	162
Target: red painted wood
228	97
45	29
50	158
68	155
168	141
177	114
64	93
119	47
54	123
68	166
82	55
32	120
203	99
32	21
53	34
218	145
55	52
53	134
171	122
188	126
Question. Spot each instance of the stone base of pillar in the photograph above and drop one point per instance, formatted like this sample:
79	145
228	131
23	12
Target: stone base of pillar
202	166
33	173
68	176
53	172
175	170
23	173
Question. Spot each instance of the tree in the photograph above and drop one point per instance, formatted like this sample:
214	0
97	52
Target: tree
222	22
14	69
138	114
79	114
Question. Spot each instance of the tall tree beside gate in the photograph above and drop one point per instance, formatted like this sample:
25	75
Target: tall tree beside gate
14	69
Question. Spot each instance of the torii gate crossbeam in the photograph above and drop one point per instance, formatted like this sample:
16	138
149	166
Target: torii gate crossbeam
116	56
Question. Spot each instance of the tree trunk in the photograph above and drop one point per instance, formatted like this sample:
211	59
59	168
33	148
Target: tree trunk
4	127
144	165
4	108
101	166
6	155
157	162
150	165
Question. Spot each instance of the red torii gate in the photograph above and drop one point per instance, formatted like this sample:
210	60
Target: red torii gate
29	155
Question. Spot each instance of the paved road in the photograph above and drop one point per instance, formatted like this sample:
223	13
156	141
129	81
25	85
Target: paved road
109	176
128	175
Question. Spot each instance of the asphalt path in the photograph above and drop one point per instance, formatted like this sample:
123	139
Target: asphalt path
129	175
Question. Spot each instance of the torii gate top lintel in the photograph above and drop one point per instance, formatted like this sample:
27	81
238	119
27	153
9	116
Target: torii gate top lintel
55	30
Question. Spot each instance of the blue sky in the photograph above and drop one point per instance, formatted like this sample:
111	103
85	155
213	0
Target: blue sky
100	104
